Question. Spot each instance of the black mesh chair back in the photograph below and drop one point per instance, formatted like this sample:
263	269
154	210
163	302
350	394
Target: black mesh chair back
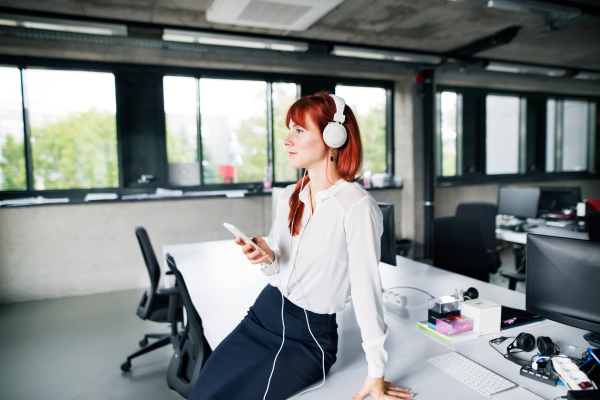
145	306
485	214
191	348
593	225
458	247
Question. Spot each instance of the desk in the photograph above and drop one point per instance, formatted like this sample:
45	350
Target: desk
223	285
521	237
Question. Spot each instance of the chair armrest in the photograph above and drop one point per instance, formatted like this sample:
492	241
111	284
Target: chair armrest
169	273
519	276
174	291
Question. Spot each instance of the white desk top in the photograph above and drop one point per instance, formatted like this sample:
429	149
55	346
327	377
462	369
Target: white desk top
521	237
223	285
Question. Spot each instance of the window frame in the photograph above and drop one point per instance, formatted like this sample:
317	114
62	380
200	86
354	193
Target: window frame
474	138
119	69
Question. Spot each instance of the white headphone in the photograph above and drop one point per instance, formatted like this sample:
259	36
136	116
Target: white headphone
335	134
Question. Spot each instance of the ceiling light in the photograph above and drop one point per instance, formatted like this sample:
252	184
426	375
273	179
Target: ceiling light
215	39
531	7
525	69
536	7
63	25
344	51
588	76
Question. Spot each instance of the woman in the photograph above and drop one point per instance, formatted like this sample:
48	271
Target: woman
327	246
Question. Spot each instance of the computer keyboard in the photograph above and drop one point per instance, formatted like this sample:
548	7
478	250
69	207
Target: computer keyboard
472	373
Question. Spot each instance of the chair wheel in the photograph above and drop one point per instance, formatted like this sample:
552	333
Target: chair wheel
126	366
143	343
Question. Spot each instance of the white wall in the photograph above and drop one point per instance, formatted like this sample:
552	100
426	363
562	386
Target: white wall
69	250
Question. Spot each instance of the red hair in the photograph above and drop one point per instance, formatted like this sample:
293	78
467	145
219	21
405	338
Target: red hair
320	108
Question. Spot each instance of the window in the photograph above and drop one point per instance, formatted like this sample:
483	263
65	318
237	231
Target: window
449	132
233	114
181	117
12	133
283	95
490	135
570	132
505	134
369	107
72	118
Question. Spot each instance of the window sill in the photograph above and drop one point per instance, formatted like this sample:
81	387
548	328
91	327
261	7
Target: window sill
481	179
56	198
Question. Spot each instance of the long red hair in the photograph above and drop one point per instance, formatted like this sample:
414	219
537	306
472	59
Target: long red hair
320	108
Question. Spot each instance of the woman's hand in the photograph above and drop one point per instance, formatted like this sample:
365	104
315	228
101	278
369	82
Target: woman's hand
253	255
381	390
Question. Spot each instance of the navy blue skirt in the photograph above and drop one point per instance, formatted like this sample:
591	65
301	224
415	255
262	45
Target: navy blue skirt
240	366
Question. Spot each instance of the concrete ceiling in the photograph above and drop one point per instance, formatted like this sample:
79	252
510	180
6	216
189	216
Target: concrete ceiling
425	25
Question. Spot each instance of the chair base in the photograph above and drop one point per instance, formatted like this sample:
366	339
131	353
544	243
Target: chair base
163	340
513	277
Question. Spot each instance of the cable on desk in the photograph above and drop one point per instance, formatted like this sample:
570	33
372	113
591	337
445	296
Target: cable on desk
409	287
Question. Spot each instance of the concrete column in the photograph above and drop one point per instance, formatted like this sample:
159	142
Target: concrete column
409	160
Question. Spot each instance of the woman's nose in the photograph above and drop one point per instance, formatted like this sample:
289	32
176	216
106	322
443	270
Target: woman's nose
287	141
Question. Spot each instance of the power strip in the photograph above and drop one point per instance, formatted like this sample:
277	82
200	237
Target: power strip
539	375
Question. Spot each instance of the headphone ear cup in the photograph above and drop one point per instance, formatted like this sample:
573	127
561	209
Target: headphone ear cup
525	341
334	135
545	346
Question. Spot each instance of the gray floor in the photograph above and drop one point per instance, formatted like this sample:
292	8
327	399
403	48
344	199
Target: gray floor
72	348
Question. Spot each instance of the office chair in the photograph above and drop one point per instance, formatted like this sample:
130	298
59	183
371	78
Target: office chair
191	348
458	247
593	226
157	306
485	214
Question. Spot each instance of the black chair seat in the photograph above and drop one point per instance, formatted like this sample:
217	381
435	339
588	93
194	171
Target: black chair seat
458	247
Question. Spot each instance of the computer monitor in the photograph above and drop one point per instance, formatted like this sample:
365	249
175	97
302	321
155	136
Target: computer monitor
388	239
563	282
521	202
558	198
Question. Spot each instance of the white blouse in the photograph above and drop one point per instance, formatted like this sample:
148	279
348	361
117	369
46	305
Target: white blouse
338	256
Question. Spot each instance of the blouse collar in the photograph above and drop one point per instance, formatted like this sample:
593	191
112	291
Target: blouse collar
323	194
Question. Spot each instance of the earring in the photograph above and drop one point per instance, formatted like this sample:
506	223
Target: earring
331	155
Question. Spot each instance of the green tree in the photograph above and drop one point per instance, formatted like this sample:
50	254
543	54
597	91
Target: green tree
282	101
252	137
372	131
77	152
179	147
12	165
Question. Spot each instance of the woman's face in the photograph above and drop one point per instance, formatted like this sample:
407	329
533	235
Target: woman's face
305	145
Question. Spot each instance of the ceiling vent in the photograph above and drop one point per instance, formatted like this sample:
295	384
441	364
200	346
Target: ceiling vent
287	15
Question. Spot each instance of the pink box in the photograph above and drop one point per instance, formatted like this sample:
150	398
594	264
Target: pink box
453	325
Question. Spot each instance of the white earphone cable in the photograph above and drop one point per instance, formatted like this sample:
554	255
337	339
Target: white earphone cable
303	296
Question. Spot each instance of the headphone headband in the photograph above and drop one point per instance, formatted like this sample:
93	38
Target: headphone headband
340	104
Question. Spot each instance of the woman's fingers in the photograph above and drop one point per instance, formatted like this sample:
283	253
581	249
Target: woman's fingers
259	260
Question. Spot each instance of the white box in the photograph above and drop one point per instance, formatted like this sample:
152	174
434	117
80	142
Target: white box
485	314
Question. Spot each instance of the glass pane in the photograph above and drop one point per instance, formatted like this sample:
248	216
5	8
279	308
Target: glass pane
550	134
284	95
575	135
502	135
12	149
234	130
181	115
73	129
369	107
449	109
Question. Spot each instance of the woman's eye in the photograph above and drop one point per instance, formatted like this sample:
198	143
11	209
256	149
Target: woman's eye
298	130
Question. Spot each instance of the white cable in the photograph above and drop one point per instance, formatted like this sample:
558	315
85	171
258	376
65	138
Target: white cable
304	297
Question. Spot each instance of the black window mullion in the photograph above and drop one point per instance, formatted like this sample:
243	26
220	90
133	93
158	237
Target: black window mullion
199	132
27	131
389	131
270	132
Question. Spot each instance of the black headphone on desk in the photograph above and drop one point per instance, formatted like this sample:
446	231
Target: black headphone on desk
525	342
